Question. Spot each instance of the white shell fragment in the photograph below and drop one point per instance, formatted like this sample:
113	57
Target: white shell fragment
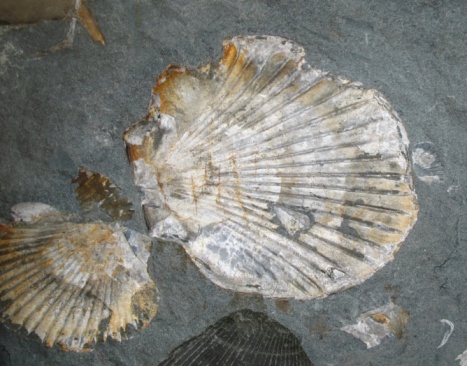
75	283
32	212
462	358
276	178
427	163
376	324
448	333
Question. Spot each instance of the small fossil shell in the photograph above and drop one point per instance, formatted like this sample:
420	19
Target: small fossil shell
241	338
276	178
74	283
96	192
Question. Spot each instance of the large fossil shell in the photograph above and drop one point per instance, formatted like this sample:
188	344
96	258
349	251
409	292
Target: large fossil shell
276	178
241	338
73	283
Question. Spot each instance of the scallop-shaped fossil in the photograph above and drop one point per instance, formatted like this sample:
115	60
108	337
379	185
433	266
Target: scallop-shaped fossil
73	283
276	178
241	338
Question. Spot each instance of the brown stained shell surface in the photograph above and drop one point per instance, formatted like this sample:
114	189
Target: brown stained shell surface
241	338
275	177
96	192
32	11
73	283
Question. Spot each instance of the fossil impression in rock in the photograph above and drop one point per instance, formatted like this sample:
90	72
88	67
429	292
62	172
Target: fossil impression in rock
73	283
275	177
97	193
241	338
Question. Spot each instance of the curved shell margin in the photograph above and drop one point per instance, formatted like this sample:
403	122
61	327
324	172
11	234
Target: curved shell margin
276	178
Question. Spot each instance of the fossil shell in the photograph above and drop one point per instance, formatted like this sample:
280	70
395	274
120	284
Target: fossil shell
32	11
462	358
374	325
427	164
33	212
74	283
241	338
276	178
96	192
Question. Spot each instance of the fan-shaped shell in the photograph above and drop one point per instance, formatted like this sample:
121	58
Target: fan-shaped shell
277	178
241	338
75	283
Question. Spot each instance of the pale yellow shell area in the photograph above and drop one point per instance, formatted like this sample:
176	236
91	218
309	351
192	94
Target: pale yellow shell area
277	178
74	283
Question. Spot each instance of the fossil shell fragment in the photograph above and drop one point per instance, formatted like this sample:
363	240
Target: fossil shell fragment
32	11
427	164
33	212
241	338
462	358
96	192
74	283
374	325
276	178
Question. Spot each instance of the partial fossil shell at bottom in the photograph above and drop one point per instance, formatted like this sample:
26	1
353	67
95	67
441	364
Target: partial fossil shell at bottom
276	178
241	338
75	283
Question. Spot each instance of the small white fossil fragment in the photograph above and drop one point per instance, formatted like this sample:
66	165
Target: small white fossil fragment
33	212
374	325
427	164
462	358
448	332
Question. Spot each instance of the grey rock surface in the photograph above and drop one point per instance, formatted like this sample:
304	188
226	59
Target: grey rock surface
66	109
